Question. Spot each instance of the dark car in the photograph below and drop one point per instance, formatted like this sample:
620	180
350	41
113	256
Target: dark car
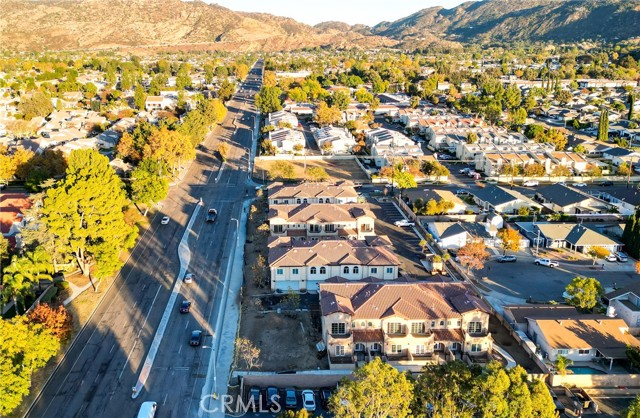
212	215
506	259
185	306
325	394
196	338
606	183
273	397
290	399
255	395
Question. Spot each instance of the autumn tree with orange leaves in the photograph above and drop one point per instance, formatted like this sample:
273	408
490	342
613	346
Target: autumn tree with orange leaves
57	320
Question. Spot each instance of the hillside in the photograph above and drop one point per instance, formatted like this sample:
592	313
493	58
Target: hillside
531	20
99	24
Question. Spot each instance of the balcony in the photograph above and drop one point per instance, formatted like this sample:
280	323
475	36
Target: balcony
339	337
422	334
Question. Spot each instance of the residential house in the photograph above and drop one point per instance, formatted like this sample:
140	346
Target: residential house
154	103
459	206
385	143
287	141
454	235
303	265
625	200
502	200
335	140
517	315
321	221
618	156
563	199
12	215
625	304
407	324
576	237
330	193
282	119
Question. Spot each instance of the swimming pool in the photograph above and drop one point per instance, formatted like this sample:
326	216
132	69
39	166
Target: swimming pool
585	370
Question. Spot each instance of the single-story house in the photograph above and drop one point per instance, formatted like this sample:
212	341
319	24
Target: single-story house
564	199
502	200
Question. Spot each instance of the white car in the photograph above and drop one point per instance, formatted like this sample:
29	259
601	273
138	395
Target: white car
308	400
611	258
579	184
546	262
404	222
165	220
530	183
188	278
464	170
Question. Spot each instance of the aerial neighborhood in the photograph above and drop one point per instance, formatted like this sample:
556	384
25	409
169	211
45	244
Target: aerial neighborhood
343	221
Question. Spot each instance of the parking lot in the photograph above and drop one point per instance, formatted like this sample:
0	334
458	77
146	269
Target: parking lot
266	411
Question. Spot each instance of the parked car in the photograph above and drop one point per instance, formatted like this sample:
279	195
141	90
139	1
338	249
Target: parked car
404	222
308	400
506	259
290	400
165	220
579	184
196	338
606	183
464	170
188	278
611	258
325	394
254	398
212	214
622	257
273	397
185	306
462	192
471	173
530	183
546	262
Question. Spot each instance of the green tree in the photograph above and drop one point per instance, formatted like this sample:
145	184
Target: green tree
534	131
268	100
378	390
631	234
37	104
491	391
139	97
149	184
297	95
226	90
542	405
512	97
510	239
169	147
584	292
24	348
518	117
562	364
242	70
633	411
472	137
316	174
281	170
341	99
518	394
564	97
327	115
603	126
404	180
223	150
555	137
85	212
632	102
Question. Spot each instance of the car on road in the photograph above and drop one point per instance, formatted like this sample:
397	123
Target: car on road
579	184
185	306
545	262
464	170
165	220
507	259
530	183
622	257
188	278
308	400
611	258
404	222
196	338
606	183
290	400
147	409
273	397
462	192
212	214
325	394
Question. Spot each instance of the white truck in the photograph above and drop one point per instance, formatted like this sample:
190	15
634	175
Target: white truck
546	262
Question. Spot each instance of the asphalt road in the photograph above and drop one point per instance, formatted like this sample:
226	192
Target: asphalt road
96	377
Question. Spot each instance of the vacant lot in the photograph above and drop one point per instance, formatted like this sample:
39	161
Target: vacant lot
336	169
286	336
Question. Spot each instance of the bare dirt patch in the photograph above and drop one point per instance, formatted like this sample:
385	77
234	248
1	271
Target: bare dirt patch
336	169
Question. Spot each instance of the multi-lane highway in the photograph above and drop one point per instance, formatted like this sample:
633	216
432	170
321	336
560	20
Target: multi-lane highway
96	377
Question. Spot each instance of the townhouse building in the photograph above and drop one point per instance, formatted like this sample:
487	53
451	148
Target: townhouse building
339	193
287	141
407	324
385	143
336	140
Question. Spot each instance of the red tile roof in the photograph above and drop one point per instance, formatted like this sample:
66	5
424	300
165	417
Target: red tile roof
12	206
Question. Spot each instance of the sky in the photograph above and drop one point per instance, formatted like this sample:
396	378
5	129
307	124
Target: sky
368	12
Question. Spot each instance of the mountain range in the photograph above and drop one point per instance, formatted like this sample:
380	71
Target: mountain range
174	24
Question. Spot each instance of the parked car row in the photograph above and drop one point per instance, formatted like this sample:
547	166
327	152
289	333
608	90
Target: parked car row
275	399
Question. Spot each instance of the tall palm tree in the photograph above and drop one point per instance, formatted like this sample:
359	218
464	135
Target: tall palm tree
37	265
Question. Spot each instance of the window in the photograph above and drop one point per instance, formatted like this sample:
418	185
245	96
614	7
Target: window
313	270
279	272
362	323
396	348
433	324
420	349
321	200
459	322
375	347
476	348
583	352
294	271
338	328
389	270
563	351
370	324
298	201
474	327
339	350
315	228
330	228
304	200
394	328
345	270
417	328
359	347
278	229
323	270
442	323
366	228
356	270
275	201
374	270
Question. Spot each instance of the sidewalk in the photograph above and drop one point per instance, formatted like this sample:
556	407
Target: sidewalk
75	292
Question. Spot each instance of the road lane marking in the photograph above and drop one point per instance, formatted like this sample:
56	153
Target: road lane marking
127	360
179	348
165	399
186	325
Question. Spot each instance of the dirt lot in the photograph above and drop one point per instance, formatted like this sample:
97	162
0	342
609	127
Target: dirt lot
286	339
336	169
503	338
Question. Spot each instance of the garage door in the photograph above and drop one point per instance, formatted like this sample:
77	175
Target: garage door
313	286
285	285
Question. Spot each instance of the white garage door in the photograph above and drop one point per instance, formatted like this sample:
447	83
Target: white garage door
285	285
